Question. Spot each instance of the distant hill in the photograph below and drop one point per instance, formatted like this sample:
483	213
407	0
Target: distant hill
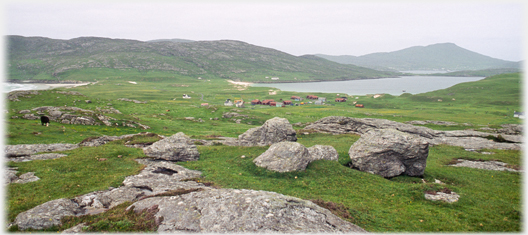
443	56
45	58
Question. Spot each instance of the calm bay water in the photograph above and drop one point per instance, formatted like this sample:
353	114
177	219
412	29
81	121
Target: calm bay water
393	86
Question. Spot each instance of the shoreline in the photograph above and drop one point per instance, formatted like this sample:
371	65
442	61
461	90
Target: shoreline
30	86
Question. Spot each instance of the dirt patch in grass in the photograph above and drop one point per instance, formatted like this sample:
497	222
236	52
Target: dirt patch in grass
336	208
433	192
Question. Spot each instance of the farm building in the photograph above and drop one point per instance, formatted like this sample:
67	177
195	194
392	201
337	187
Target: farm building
267	102
296	98
254	102
322	99
359	106
318	102
185	96
239	103
272	103
312	97
287	102
228	102
519	115
279	104
340	100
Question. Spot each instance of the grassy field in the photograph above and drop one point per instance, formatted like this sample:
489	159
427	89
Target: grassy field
490	201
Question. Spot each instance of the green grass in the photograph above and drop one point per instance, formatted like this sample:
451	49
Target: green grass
375	203
489	198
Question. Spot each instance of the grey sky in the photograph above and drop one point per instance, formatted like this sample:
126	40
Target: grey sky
335	27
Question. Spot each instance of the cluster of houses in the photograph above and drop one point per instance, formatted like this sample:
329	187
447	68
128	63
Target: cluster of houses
283	103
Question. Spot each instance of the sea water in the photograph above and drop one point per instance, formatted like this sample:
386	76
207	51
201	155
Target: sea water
392	86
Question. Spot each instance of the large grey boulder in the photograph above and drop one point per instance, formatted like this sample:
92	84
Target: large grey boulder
242	211
47	214
272	131
389	153
325	152
284	157
174	148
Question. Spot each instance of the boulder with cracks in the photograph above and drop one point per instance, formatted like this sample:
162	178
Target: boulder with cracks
243	211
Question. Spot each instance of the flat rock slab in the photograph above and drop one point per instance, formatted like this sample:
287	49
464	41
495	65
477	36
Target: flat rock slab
45	156
243	211
31	149
485	165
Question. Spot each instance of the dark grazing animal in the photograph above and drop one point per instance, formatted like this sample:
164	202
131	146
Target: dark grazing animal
44	120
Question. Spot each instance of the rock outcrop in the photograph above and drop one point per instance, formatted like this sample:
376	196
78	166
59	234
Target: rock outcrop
76	116
389	153
174	148
468	138
243	211
272	131
11	177
157	177
284	157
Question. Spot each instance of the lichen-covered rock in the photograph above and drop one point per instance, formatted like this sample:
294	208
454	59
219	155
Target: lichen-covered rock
389	153
325	152
173	148
243	211
272	131
47	214
284	157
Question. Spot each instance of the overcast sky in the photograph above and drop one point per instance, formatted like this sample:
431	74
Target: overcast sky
492	28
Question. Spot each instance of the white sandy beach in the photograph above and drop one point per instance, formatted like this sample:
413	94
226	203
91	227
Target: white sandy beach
240	85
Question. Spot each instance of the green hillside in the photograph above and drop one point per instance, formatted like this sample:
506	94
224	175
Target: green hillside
77	59
442	56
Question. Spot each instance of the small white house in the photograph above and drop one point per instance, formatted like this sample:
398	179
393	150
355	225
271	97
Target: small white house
185	96
519	115
228	102
322	99
274	78
318	102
